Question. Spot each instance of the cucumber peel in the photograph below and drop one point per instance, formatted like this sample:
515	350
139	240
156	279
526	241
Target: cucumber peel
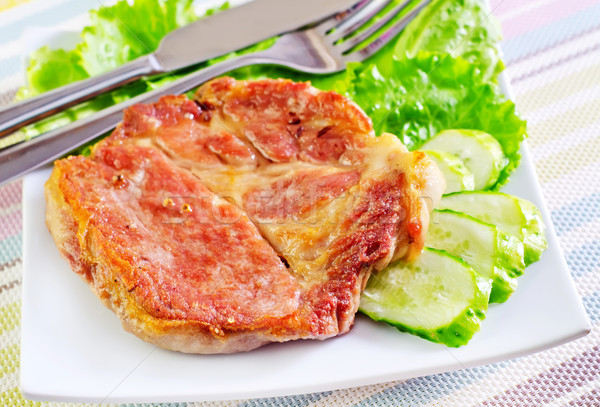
534	236
516	216
438	297
491	252
458	177
481	153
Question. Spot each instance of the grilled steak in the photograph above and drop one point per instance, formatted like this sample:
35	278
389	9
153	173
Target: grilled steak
254	214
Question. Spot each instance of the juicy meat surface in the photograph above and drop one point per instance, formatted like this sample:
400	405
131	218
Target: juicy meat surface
254	214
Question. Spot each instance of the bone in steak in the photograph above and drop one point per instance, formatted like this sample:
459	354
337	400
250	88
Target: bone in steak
254	214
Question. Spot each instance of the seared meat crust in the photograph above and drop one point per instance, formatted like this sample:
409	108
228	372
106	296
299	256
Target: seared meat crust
254	214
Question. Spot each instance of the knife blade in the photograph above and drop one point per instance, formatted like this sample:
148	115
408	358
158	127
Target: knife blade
224	32
239	27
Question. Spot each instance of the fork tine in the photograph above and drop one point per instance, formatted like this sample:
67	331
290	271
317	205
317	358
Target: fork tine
333	21
352	22
351	42
389	34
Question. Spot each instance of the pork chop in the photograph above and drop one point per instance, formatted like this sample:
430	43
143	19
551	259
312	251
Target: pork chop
253	214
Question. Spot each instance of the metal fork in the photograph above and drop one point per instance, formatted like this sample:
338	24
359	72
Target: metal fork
321	49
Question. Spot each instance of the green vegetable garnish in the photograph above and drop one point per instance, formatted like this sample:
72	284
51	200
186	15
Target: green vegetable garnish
457	27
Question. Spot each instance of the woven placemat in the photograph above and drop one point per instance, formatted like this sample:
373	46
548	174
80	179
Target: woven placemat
552	50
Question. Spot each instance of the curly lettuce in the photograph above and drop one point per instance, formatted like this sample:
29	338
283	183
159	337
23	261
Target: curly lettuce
117	34
464	28
424	95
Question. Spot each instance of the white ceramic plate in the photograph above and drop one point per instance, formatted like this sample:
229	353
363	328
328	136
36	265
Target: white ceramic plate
74	349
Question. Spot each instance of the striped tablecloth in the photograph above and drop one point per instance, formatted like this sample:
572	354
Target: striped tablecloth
552	51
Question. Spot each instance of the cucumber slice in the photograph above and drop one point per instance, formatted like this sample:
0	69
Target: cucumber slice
534	232
514	215
481	153
491	252
458	177
437	297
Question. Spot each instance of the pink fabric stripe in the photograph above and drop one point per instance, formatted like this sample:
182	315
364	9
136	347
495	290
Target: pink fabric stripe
590	399
555	63
10	194
501	7
543	15
10	224
553	383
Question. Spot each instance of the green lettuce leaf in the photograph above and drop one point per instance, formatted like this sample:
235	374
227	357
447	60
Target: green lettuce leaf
49	69
123	32
457	27
432	92
116	35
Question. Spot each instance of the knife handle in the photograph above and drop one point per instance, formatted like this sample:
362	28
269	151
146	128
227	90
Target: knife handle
21	158
28	111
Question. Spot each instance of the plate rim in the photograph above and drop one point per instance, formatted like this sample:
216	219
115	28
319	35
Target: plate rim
32	392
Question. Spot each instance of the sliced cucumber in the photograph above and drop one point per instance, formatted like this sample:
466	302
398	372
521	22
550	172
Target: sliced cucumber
514	215
458	177
437	297
534	232
491	252
481	153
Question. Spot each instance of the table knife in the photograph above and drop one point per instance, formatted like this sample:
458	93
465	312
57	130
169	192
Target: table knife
209	37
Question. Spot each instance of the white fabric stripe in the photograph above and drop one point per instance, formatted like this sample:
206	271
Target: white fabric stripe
579	236
22	11
230	403
11	209
10	49
575	394
9	381
588	283
12	82
566	141
62	404
347	397
76	23
10	338
7	339
537	115
577	64
8	275
517	11
571	187
519	371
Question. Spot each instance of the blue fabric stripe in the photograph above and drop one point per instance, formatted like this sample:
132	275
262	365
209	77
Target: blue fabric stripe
11	248
296	401
576	214
592	306
584	259
422	390
49	17
546	36
10	66
154	404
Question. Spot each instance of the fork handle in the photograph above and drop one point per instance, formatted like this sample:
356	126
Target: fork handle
26	156
31	110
